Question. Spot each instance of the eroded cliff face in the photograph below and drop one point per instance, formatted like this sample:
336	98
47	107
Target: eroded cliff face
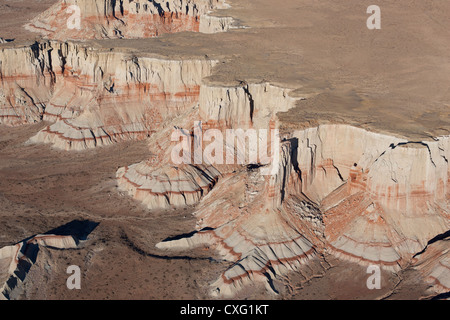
94	97
99	19
263	222
382	198
434	263
366	197
161	183
16	260
362	196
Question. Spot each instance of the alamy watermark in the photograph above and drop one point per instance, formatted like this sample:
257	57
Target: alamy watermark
74	21
374	21
74	281
374	281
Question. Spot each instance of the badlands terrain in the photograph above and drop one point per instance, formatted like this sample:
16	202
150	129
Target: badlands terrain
87	176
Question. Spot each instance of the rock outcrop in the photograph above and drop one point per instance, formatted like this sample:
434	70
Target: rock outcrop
362	196
243	107
434	263
16	260
99	19
94	97
161	183
382	198
261	224
167	187
248	217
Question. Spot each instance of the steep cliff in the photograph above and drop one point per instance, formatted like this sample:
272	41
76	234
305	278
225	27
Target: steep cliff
362	196
16	260
98	19
94	97
262	224
161	183
366	197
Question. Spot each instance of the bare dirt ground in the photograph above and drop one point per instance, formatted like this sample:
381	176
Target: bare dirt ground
42	189
392	80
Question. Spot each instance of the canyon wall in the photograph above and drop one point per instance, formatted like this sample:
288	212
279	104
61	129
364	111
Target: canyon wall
94	97
383	198
362	196
161	183
99	19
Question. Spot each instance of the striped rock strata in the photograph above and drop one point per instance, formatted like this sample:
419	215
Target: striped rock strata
242	107
165	186
383	198
16	260
248	217
261	222
160	183
99	19
363	196
94	97
374	198
434	264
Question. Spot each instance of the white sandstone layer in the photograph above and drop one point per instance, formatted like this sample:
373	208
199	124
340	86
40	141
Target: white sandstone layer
381	198
366	197
160	183
256	222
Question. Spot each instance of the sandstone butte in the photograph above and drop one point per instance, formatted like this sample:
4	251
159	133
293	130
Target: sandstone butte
363	196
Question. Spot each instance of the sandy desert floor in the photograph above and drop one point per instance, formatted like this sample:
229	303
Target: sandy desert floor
392	80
